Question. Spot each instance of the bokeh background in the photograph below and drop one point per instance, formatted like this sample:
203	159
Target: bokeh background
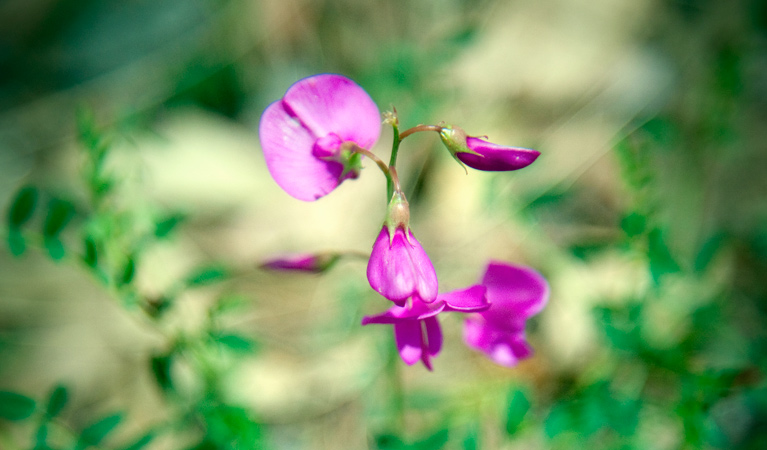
137	208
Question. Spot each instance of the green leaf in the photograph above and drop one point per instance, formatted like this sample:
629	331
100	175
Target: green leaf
16	243
161	366
518	406
434	441
59	214
15	406
97	431
634	224
206	276
91	255
57	401
141	442
235	342
164	227
661	260
55	248
128	271
708	250
22	207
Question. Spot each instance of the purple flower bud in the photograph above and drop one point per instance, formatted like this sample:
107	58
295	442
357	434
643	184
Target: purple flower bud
515	293
302	262
482	155
307	136
399	268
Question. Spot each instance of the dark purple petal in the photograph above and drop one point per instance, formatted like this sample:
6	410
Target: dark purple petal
409	339
493	157
399	268
287	147
470	299
330	103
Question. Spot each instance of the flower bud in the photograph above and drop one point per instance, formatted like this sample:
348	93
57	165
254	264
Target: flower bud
483	155
302	262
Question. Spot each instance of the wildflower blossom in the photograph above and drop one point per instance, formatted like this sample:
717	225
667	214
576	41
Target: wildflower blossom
398	267
515	294
417	332
309	135
483	155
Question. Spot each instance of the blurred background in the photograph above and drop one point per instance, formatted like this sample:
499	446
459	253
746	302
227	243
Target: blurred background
137	208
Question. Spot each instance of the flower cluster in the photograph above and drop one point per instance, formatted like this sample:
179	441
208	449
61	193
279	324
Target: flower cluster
315	137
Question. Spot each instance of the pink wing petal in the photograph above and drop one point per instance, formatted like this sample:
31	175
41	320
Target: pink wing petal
409	340
330	103
514	291
287	147
470	299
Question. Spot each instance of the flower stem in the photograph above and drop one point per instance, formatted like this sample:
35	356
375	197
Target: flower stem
419	128
393	160
379	162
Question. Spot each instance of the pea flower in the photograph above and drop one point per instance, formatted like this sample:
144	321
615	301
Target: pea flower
307	136
302	262
398	267
483	155
417	332
515	294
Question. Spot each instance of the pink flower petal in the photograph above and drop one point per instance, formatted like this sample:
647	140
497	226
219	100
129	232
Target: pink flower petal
470	299
330	103
401	269
514	291
409	339
287	147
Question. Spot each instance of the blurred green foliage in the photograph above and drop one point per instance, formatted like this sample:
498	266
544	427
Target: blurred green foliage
700	385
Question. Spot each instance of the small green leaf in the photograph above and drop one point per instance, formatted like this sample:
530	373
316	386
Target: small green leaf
41	436
15	406
22	207
57	401
634	224
55	248
97	431
206	275
164	227
434	441
161	366
518	406
128	271
91	255
59	214
141	442
16	243
708	250
661	260
235	342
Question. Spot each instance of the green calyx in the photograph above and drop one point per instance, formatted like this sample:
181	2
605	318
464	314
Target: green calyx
454	139
398	215
352	162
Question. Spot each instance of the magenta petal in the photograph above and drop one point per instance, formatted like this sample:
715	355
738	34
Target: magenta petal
470	299
433	336
409	339
287	147
493	157
330	103
419	310
515	292
401	269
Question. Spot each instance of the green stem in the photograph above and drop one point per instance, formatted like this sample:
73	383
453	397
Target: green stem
392	161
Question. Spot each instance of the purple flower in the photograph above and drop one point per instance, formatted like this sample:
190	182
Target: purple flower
307	136
515	294
482	155
399	268
416	329
302	262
